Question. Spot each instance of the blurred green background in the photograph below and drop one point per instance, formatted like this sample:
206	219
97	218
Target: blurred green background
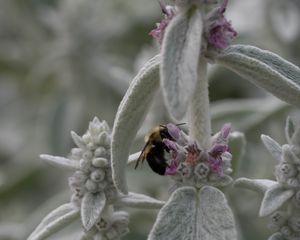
62	62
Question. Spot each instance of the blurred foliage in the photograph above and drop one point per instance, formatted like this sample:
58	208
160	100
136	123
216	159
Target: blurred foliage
63	62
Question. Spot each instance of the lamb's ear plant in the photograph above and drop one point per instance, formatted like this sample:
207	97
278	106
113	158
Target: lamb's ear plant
192	34
94	199
281	198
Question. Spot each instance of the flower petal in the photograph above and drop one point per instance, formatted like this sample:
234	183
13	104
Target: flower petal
173	130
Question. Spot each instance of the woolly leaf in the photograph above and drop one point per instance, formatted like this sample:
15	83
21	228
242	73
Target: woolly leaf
137	200
265	69
91	208
176	220
214	217
273	147
180	54
274	198
259	185
61	162
130	115
289	156
55	221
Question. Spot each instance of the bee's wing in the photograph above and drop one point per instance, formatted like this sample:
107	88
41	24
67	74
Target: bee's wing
142	156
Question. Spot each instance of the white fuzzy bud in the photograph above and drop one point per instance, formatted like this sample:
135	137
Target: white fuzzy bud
201	170
287	170
100	152
100	162
88	155
91	186
87	138
294	223
76	153
102	138
278	219
97	175
85	165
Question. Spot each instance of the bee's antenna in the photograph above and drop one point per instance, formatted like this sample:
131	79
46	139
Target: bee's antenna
179	124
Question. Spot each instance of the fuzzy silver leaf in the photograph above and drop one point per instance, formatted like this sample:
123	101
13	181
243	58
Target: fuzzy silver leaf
180	55
61	162
137	200
273	147
265	69
259	185
214	217
55	221
91	208
131	113
176	220
274	198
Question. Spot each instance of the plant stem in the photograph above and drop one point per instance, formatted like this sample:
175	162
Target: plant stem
199	112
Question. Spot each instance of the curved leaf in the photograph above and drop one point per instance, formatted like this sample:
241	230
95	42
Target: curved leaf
137	200
55	221
131	112
61	162
215	219
273	147
180	54
274	198
265	69
91	208
176	220
259	185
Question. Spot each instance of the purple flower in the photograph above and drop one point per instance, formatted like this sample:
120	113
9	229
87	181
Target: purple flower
172	168
158	32
220	31
173	149
215	161
193	154
173	130
225	130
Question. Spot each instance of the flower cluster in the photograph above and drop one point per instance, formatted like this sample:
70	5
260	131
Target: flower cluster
94	177
287	221
93	154
112	225
281	199
94	193
287	172
168	13
218	30
191	165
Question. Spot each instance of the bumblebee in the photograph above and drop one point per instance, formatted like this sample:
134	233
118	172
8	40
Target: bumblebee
154	149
